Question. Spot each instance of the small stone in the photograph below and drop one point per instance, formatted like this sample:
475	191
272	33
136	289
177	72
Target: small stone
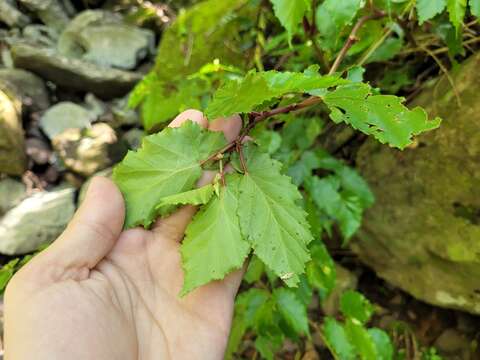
29	88
65	115
37	220
11	193
122	114
38	151
452	341
85	151
133	138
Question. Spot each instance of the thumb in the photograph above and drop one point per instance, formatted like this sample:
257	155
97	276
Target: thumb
94	229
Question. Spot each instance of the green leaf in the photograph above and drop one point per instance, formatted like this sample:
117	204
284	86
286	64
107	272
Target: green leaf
456	11
361	340
355	306
383	344
290	13
475	7
337	339
352	182
270	218
244	95
383	116
255	270
153	172
198	196
428	9
332	17
292	309
213	244
342	206
7	272
321	271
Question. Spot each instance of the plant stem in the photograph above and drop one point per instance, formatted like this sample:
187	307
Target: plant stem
352	38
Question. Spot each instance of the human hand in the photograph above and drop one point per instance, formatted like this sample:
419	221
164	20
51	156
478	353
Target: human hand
102	293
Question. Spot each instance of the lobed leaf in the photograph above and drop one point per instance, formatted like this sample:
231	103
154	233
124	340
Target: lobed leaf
355	306
383	116
428	9
337	340
244	95
292	309
198	196
270	219
168	163
213	244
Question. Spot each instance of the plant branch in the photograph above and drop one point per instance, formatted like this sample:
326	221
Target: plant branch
352	38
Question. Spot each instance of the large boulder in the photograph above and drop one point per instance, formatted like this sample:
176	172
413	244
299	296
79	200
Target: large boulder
423	233
73	73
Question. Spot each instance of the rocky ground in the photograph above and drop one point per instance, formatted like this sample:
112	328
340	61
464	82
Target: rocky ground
65	73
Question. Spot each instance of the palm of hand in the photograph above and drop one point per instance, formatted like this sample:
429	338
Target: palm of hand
97	293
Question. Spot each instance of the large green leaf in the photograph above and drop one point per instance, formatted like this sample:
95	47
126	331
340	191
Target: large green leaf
292	309
383	116
290	13
168	163
427	9
270	218
213	244
243	96
337	339
456	11
332	16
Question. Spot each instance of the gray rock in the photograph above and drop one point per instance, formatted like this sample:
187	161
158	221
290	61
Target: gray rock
103	38
11	16
65	115
27	86
122	114
423	232
11	193
73	73
133	138
86	151
451	341
38	219
51	12
12	153
39	34
38	150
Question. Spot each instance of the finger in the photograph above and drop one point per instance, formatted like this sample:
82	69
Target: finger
230	126
94	229
191	114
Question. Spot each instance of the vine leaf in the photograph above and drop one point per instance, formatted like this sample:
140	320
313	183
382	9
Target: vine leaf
456	11
244	95
213	244
198	196
168	163
427	9
475	7
290	13
270	219
292	309
383	116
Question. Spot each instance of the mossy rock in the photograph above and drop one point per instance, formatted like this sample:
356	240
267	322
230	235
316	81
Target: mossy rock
423	233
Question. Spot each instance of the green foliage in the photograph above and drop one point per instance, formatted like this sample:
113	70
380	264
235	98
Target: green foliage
257	88
475	7
290	13
292	310
427	9
332	17
152	173
9	269
456	11
352	339
270	219
383	116
213	244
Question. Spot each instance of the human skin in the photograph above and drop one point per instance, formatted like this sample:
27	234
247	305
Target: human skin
99	292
